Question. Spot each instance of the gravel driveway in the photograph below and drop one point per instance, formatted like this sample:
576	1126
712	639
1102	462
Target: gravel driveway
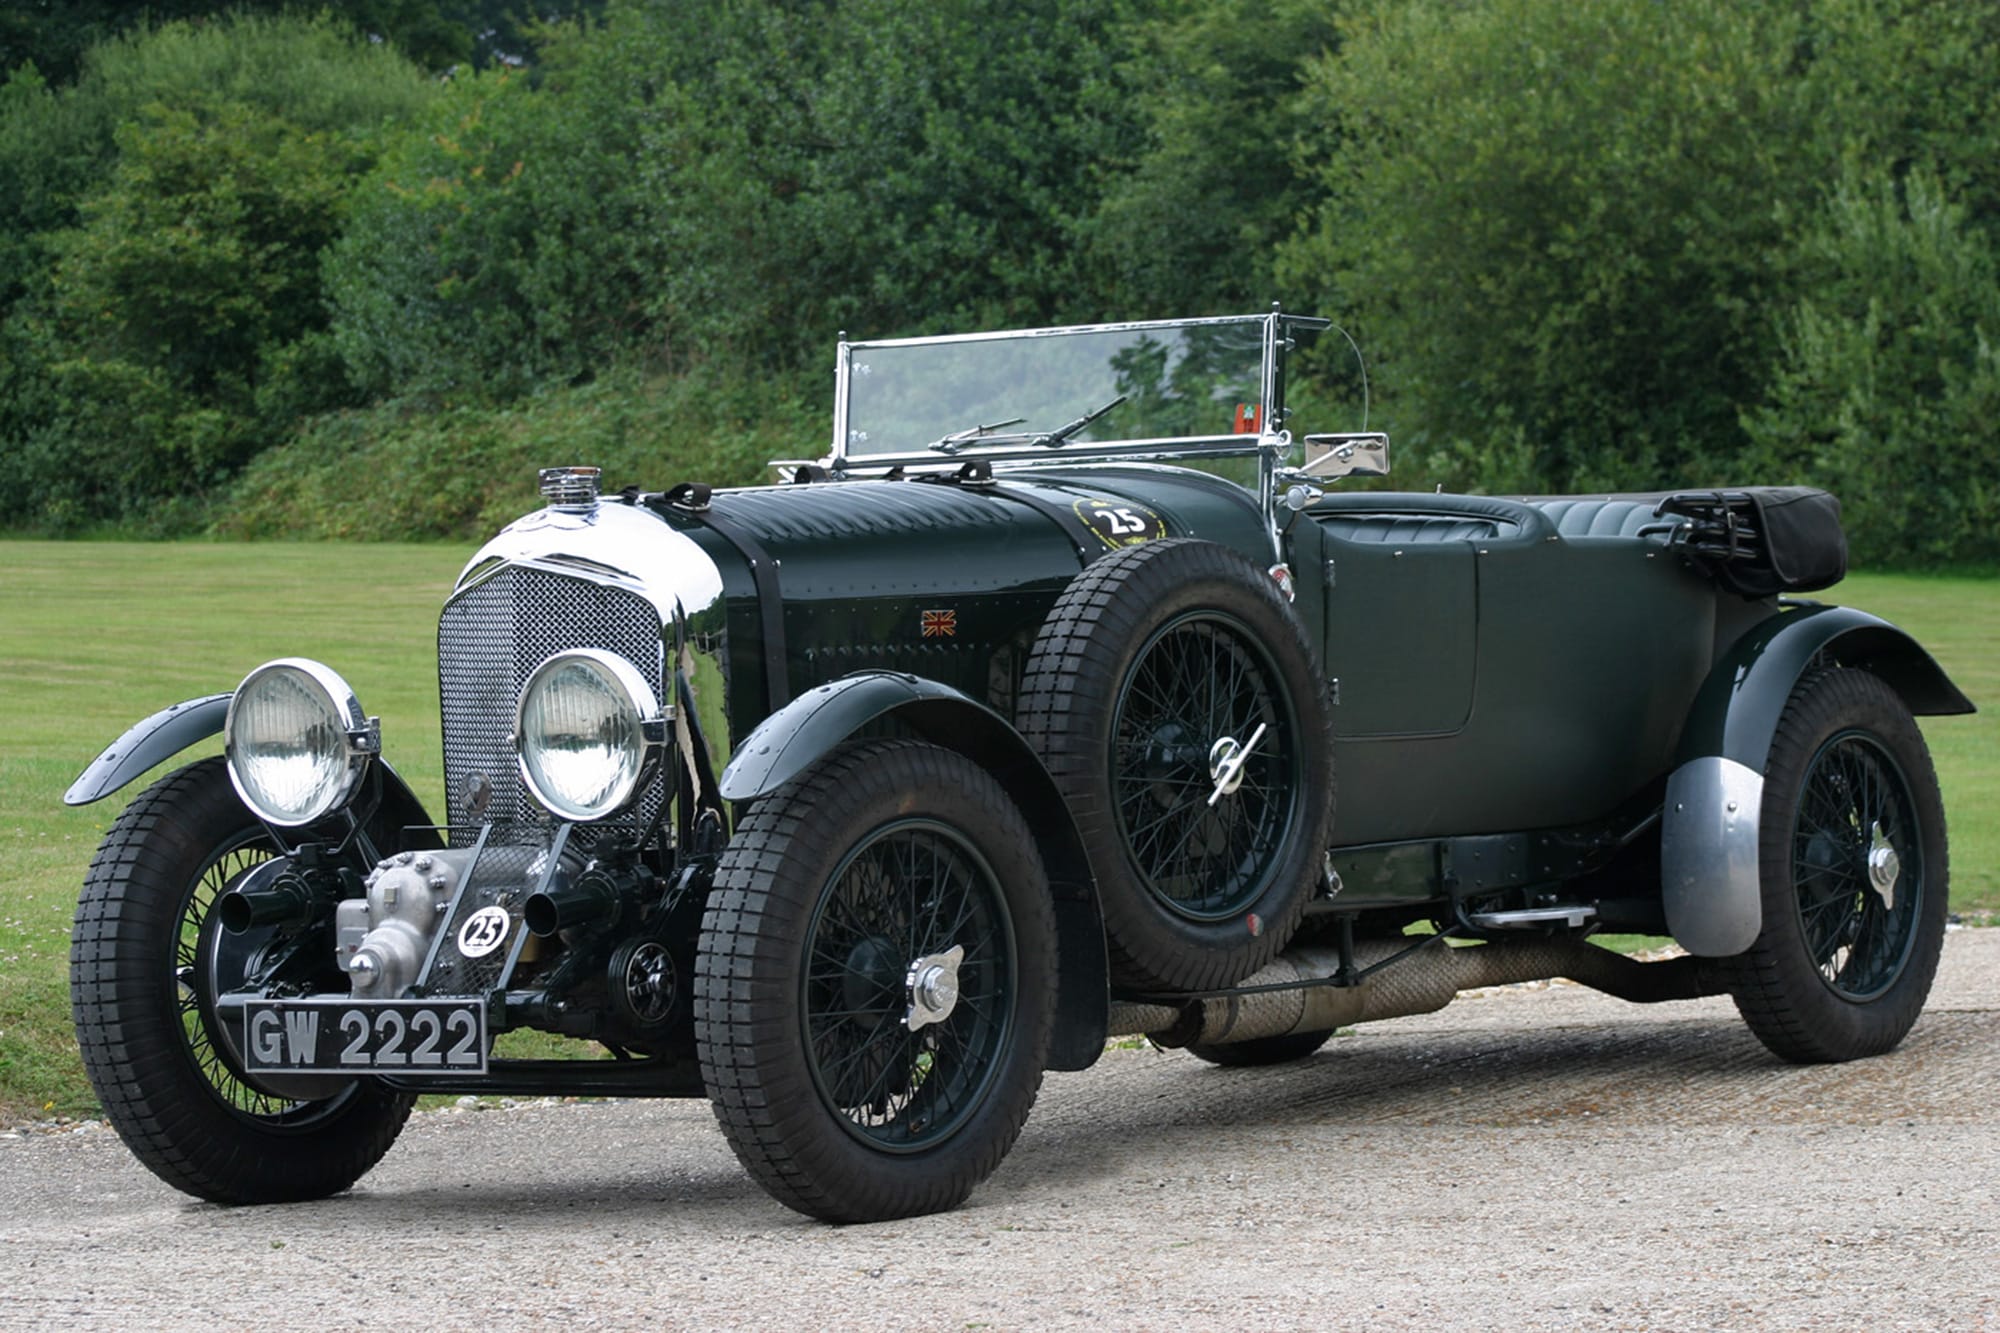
1530	1158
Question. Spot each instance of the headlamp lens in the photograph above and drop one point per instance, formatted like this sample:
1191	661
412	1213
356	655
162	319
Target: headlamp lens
582	733
289	736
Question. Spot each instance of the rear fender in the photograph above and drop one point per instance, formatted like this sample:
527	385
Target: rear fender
820	720
1710	826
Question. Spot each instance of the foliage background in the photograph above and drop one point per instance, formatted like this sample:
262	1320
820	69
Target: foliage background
260	264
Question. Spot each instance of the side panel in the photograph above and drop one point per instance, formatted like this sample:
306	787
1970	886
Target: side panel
946	581
1587	655
1416	679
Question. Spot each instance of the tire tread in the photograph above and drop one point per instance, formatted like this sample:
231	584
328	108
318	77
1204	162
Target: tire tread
769	1112
131	1047
1776	990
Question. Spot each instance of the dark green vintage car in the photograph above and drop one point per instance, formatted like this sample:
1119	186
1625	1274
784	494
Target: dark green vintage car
1060	699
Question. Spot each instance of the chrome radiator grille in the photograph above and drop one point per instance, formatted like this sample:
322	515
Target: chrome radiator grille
489	639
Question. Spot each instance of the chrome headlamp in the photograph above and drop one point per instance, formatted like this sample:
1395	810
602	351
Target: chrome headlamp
297	741
586	726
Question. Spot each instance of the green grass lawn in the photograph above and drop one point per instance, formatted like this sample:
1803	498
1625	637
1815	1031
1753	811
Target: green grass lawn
94	636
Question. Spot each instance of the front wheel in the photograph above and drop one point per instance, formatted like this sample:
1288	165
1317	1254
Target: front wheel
1852	862
144	971
875	983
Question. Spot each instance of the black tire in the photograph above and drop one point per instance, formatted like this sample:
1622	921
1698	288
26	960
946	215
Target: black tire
1151	658
160	1067
830	893
1261	1051
1842	966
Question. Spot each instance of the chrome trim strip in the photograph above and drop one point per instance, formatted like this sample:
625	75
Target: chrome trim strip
843	361
1169	447
1063	330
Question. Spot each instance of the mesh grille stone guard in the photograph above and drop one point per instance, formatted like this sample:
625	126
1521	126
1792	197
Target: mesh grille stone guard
490	638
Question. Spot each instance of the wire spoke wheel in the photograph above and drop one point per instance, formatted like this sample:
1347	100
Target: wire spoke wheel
148	958
195	941
1858	865
914	890
875	982
1180	710
1200	687
1852	864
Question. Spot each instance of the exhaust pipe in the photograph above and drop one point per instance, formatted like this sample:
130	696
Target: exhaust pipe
1422	982
598	894
286	901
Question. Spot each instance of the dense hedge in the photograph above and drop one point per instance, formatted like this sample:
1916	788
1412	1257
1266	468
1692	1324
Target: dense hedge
1622	245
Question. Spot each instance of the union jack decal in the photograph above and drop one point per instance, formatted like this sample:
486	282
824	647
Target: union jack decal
939	624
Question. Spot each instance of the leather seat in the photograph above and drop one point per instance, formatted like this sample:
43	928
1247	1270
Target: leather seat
1598	515
1409	529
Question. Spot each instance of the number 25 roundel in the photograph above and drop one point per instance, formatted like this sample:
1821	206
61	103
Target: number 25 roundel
1119	523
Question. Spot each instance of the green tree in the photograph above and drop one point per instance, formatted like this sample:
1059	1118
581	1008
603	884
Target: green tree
1555	226
56	35
163	317
1191	220
58	144
195	272
1889	383
1589	246
507	245
878	165
722	180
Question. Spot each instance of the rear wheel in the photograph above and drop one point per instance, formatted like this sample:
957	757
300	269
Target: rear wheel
1177	704
875	983
145	967
1853	865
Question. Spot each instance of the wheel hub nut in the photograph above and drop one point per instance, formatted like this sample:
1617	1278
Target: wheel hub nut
933	986
1884	866
1226	759
1222	770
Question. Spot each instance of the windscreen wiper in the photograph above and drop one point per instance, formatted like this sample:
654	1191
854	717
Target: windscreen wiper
958	439
1056	438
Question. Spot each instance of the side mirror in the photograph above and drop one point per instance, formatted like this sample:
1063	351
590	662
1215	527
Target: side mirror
1333	456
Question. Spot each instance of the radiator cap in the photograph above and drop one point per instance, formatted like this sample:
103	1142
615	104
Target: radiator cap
571	490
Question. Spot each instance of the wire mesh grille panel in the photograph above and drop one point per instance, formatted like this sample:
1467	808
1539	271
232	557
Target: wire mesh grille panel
489	639
502	877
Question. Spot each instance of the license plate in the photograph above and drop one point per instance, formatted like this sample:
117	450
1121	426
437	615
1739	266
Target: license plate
411	1037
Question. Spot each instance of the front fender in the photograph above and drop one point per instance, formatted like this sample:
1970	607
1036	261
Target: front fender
814	724
156	739
1710	826
150	741
811	725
